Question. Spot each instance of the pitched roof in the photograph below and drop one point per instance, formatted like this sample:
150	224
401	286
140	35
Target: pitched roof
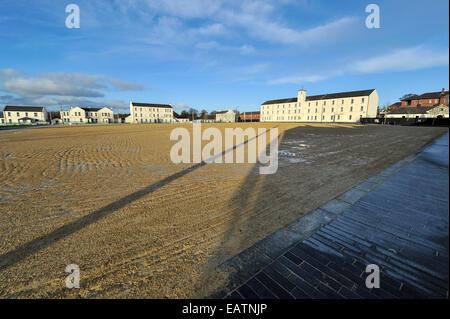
411	110
429	95
151	105
340	95
23	108
90	109
223	112
323	97
290	100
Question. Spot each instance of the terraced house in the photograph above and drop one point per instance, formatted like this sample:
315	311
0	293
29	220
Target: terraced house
80	115
344	107
151	113
25	115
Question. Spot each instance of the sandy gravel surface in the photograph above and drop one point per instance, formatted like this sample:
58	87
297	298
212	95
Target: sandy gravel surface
108	198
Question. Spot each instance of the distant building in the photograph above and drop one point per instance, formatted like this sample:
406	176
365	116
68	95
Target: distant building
151	113
120	118
178	119
440	111
427	99
345	107
82	115
25	115
226	116
55	118
2	119
250	116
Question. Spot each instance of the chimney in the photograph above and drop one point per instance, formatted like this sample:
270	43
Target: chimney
443	90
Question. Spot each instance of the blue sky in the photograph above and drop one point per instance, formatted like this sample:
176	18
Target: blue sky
216	54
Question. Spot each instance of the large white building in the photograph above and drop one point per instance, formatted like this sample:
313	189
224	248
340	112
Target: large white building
151	113
80	115
25	115
345	107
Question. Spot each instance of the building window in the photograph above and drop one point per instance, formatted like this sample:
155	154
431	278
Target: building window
362	100
362	108
349	117
351	108
351	102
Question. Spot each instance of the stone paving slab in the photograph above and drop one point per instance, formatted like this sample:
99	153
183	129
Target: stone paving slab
398	220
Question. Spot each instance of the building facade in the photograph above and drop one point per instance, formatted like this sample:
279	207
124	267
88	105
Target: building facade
25	115
439	111
226	116
82	115
250	116
151	113
427	99
345	107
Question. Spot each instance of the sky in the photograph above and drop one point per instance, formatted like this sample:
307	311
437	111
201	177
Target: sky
217	54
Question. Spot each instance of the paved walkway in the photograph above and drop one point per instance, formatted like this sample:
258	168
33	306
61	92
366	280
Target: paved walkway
398	220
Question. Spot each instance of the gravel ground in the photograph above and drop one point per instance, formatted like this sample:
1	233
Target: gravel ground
108	198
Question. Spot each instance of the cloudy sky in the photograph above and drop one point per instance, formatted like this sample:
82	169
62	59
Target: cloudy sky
217	54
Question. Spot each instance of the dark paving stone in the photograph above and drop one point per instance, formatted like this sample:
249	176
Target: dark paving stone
398	220
273	286
260	289
247	293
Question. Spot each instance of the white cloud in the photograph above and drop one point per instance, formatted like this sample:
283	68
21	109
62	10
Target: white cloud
60	88
403	60
214	45
181	106
126	86
297	79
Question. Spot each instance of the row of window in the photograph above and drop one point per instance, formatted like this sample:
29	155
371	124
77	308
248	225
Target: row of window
153	115
153	109
310	118
26	114
352	101
309	110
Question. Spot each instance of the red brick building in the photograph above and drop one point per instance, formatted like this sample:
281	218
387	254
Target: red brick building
250	116
426	99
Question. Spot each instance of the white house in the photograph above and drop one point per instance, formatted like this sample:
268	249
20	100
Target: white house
226	116
344	107
25	115
80	115
151	113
